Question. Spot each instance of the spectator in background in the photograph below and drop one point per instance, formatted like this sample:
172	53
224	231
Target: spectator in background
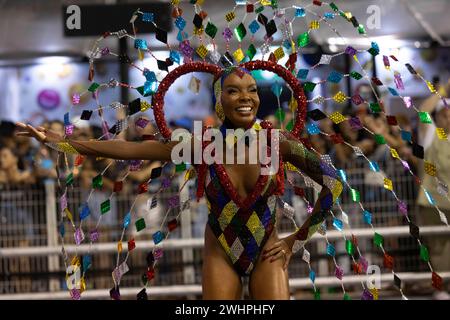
44	164
319	144
14	216
434	106
57	126
378	125
405	149
357	138
437	151
7	134
9	168
25	151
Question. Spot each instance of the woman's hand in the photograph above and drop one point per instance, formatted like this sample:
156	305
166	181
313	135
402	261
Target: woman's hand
39	133
281	249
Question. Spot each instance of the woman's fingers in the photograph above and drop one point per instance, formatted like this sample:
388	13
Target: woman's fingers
26	129
272	250
38	135
280	254
23	134
29	128
271	253
278	250
21	125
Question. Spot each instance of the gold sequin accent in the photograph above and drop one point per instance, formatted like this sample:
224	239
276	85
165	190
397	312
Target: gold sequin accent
374	292
227	214
337	117
238	55
394	153
314	25
68	214
340	97
440	132
65	147
198	31
430	168
388	184
256	228
279	53
289	166
145	105
224	244
75	261
230	16
202	51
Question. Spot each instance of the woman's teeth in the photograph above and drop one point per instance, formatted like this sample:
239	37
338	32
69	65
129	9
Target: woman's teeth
244	109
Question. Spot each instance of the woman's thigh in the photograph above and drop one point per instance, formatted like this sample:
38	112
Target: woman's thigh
269	281
219	279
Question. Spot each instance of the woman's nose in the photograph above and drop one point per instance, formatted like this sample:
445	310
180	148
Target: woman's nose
244	96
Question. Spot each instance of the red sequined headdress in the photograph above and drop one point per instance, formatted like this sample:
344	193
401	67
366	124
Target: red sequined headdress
291	80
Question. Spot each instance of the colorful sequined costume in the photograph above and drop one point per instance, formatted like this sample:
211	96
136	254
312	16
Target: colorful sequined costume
242	226
242	229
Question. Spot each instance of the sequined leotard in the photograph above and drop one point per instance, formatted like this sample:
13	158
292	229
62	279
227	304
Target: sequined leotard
242	226
242	229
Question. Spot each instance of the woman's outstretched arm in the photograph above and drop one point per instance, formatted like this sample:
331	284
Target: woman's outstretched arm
125	150
114	149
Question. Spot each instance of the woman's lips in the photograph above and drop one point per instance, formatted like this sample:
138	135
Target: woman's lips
243	109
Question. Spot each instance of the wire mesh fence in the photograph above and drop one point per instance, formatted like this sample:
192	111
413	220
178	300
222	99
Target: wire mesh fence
23	224
24	213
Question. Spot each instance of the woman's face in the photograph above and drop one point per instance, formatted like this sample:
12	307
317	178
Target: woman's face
7	159
240	100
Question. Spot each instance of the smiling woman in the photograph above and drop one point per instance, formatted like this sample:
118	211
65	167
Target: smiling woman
241	238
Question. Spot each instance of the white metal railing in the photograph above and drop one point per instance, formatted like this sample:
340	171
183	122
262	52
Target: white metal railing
49	249
196	289
176	244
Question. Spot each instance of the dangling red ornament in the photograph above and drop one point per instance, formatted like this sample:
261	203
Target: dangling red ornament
272	58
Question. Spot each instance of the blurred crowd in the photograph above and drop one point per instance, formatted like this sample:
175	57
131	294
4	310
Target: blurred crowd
23	160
